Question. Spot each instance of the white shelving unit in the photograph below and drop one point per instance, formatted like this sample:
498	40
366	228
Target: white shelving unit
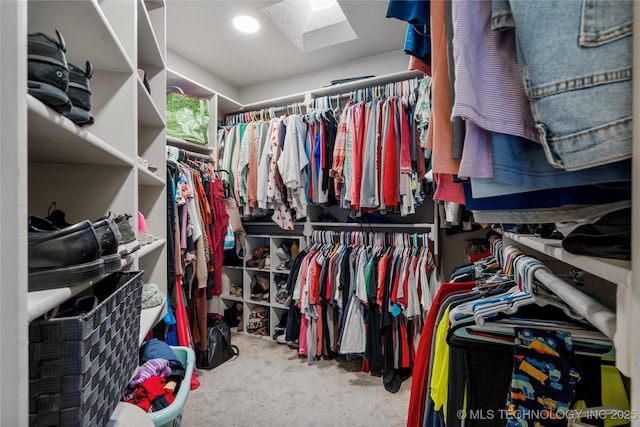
243	276
88	171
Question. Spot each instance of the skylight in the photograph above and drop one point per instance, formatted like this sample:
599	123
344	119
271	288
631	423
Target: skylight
317	5
311	24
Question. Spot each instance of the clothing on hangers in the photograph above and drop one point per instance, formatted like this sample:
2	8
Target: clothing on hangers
510	336
353	294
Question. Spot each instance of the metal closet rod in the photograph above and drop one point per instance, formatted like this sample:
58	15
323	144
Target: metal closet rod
601	317
393	88
184	154
264	113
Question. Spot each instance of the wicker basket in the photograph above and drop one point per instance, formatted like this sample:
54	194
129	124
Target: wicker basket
80	365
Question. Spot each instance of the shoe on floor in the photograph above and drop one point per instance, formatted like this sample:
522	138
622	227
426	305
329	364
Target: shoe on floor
291	344
48	71
65	257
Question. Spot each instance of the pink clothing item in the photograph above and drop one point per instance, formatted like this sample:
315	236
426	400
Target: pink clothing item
359	120
405	136
419	65
440	134
447	190
302	350
339	151
311	196
252	179
390	173
302	339
183	227
476	159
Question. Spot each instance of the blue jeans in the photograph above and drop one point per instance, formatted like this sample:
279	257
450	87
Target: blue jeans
575	60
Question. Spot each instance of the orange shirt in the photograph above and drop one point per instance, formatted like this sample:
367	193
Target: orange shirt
440	134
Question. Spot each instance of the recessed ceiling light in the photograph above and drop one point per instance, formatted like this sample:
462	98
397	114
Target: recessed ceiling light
246	24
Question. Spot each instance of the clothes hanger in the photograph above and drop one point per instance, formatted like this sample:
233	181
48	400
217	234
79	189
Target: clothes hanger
599	413
498	312
523	268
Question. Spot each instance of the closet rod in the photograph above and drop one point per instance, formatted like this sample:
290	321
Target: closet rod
191	155
372	225
595	313
188	145
322	93
184	154
376	87
264	113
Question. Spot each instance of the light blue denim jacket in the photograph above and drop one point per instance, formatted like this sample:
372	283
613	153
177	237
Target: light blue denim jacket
575	60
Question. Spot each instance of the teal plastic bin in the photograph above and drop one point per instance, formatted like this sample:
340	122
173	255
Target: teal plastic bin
171	416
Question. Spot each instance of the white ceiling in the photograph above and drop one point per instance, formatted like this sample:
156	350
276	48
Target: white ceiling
201	31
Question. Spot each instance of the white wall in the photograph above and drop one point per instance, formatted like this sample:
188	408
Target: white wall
187	68
386	63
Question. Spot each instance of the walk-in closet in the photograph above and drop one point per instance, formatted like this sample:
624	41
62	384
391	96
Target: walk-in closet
318	212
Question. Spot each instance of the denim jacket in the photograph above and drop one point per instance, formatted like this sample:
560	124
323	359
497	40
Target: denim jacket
575	61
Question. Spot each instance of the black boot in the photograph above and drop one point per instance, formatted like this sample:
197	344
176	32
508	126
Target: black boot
48	72
80	94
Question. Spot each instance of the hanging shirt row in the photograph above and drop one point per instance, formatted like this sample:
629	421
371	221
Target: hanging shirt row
368	158
197	222
362	298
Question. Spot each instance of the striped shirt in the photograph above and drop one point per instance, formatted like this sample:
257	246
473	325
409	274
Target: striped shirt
488	86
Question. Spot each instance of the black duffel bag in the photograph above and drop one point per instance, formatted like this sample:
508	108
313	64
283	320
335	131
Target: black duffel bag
219	348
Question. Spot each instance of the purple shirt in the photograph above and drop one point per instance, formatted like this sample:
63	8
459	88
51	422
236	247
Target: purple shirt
488	86
151	368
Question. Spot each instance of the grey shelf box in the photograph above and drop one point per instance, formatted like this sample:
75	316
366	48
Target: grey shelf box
80	365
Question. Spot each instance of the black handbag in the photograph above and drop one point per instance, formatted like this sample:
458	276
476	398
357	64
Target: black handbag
219	348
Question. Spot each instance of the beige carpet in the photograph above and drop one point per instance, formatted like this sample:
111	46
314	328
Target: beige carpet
269	385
